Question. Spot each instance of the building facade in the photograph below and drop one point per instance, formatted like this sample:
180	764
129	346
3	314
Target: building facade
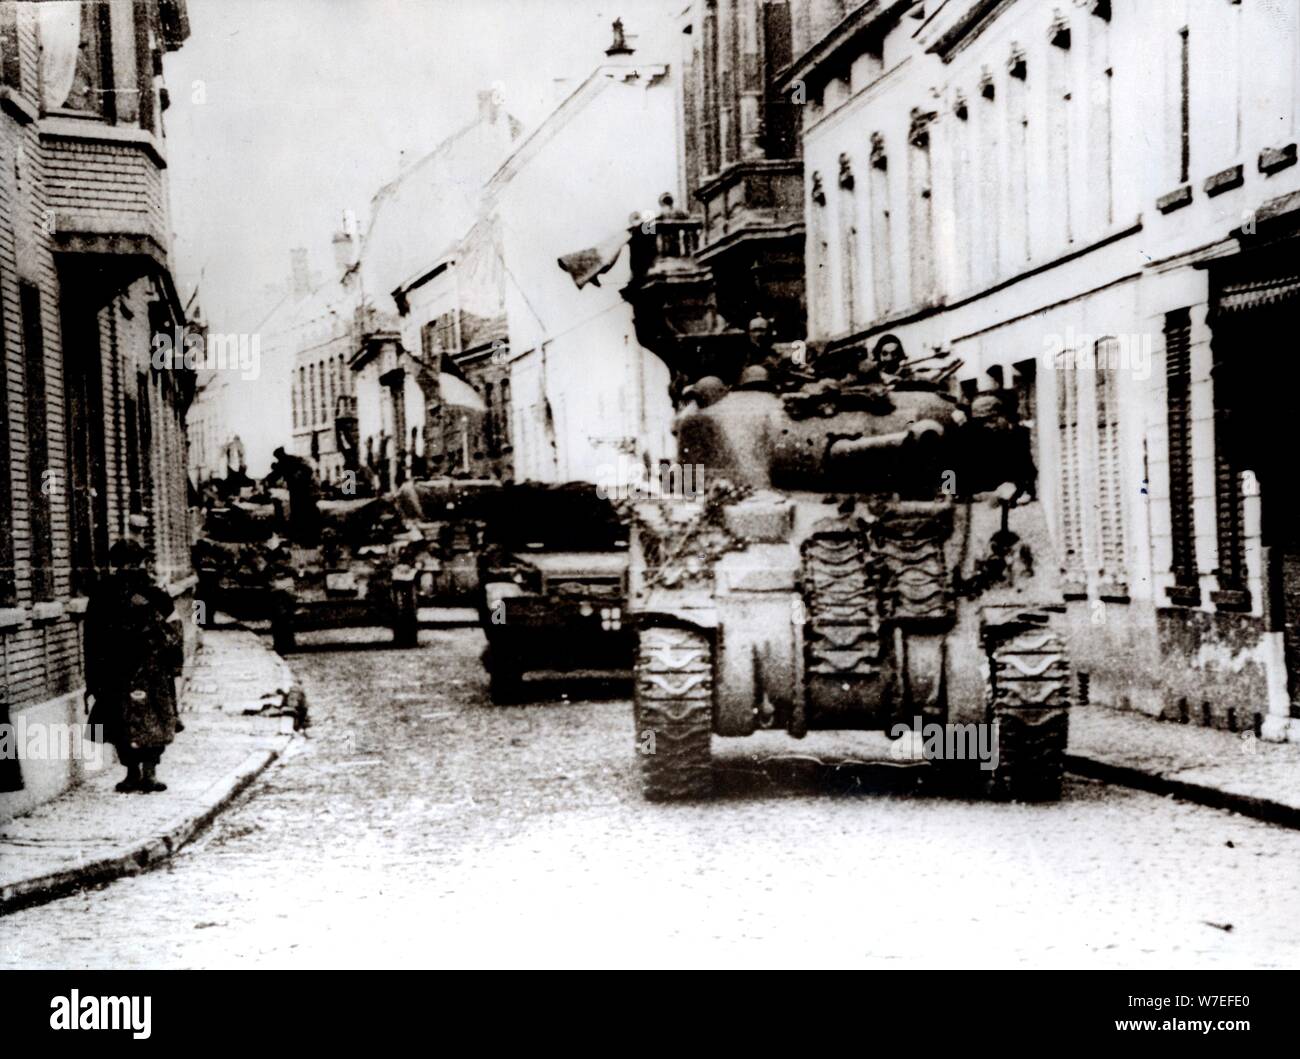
427	361
587	400
92	431
1093	203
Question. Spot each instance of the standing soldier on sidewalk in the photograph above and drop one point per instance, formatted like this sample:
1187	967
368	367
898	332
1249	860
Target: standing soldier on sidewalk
133	656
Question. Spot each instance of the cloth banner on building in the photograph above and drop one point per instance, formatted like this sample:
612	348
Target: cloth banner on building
60	25
587	266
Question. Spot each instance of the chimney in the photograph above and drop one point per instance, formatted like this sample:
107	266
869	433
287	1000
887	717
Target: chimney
300	271
488	106
620	45
342	244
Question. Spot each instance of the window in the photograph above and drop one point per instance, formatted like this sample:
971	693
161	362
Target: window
1110	492
1059	100
848	246
1100	147
710	86
1229	494
1178	373
881	239
1070	506
781	123
38	454
1018	151
92	78
505	412
920	210
7	583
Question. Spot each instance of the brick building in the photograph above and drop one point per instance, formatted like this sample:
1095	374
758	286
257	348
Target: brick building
92	437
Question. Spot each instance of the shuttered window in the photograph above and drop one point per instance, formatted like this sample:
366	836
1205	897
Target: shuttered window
1110	492
7	583
1229	494
1070	508
39	476
1178	374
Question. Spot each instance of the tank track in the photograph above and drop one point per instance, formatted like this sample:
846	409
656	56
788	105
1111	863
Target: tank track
674	713
1029	699
842	591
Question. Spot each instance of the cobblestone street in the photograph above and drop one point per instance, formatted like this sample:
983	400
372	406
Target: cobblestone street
417	826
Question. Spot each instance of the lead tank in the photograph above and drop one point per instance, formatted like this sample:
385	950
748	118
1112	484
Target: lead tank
863	552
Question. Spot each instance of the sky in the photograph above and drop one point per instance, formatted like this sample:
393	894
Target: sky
285	113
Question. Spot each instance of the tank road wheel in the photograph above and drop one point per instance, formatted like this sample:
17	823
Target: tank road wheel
674	713
1030	696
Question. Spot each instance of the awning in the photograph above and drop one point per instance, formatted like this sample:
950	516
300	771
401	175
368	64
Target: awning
1257	293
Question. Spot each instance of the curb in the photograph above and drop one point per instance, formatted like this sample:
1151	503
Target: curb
1213	797
148	852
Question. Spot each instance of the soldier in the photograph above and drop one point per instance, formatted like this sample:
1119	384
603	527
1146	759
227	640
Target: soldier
300	480
133	654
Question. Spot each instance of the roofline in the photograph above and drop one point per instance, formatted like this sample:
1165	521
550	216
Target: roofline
595	83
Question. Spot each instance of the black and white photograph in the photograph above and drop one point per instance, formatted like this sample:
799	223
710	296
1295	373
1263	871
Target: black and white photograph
650	484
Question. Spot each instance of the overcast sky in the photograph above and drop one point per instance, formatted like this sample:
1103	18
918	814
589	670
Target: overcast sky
286	112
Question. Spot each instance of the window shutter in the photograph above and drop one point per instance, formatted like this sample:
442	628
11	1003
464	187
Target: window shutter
1178	372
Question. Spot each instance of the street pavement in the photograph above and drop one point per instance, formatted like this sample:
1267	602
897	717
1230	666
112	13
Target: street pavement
415	825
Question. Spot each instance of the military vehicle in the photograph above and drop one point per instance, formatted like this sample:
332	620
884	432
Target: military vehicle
238	556
353	578
445	520
552	586
868	553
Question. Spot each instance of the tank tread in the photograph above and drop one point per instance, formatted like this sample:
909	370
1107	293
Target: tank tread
1030	698
674	713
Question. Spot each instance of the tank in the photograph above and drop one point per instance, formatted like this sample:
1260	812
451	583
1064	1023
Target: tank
353	577
446	518
552	588
860	552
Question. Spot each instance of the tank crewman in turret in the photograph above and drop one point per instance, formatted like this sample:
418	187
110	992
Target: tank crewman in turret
300	480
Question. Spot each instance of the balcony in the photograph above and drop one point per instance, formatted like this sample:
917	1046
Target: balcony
104	188
673	296
759	200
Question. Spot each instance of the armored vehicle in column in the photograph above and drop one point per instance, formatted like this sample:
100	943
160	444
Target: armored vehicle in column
869	552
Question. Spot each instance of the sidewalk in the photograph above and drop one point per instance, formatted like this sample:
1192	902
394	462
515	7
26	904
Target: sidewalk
1224	770
240	707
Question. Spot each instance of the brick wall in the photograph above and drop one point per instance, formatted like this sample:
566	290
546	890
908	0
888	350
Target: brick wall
68	181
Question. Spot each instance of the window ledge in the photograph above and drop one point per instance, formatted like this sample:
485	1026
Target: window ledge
49	611
67	127
1275	159
1184	595
17	105
77	605
1175	200
1113	592
1224	180
12	617
1236	600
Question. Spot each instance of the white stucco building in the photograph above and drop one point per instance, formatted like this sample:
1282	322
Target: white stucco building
585	396
1089	201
